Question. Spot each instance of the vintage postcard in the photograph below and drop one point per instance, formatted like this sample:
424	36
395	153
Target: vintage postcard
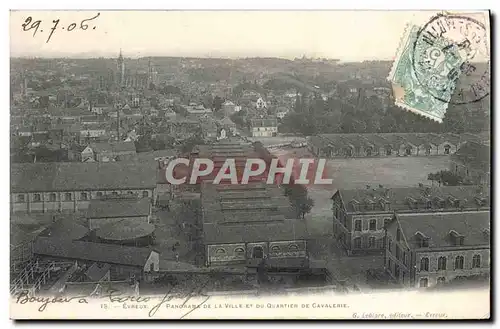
250	165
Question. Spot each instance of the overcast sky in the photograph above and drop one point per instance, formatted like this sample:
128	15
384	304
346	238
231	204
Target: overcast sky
345	35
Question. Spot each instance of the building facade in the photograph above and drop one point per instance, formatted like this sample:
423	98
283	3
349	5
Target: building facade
426	250
69	187
360	216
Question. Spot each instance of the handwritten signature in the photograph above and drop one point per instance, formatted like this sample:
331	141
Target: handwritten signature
114	296
36	26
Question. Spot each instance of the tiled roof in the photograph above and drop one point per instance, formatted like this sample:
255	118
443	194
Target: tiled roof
268	122
290	229
118	208
437	227
114	147
400	198
90	251
68	176
125	229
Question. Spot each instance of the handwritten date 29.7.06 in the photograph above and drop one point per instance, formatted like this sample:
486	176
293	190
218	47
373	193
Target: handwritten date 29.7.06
36	26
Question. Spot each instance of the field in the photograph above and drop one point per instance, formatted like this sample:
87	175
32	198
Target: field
358	172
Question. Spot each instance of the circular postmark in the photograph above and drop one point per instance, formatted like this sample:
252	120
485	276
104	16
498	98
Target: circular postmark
451	59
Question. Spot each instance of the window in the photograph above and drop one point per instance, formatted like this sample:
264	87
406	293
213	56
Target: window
337	211
114	193
276	249
447	149
258	252
220	251
357	243
130	192
459	263
151	267
424	282
427	151
37	197
476	261
52	197
83	196
408	151
371	242
398	235
20	198
292	247
441	263
398	252
99	194
389	245
145	194
67	196
373	224
239	250
387	221
424	264
388	151
441	280
396	271
405	258
357	225
389	264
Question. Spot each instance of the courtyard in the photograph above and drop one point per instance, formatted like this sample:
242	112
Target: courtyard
353	173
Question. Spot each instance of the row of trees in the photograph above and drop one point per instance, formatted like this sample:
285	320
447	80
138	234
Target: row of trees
312	115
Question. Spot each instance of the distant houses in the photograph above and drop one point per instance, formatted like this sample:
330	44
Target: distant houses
264	127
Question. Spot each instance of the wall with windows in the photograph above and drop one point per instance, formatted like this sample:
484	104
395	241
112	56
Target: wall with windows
68	201
238	253
447	265
368	231
398	256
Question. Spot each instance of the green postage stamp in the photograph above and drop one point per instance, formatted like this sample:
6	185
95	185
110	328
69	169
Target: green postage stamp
444	62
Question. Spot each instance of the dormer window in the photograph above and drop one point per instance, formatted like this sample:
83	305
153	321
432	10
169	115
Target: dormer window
454	201
440	203
355	205
422	240
412	203
457	239
480	201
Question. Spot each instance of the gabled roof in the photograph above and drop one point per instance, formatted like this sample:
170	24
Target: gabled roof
90	251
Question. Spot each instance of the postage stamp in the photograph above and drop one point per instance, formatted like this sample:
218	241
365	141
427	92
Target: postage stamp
444	62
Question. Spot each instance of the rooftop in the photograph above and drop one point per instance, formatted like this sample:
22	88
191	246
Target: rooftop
415	198
75	176
440	229
119	208
90	251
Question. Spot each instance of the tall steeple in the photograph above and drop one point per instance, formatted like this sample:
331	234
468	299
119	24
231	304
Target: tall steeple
121	69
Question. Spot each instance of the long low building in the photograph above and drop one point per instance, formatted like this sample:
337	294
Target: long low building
249	223
70	186
388	144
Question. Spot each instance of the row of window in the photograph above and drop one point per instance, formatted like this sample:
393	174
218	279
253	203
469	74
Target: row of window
372	243
458	264
372	225
424	282
240	250
37	197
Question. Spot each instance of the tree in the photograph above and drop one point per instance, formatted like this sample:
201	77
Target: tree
301	203
217	103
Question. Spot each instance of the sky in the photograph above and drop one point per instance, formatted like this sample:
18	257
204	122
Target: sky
344	35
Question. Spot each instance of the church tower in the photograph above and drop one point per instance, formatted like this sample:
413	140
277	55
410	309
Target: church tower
121	69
